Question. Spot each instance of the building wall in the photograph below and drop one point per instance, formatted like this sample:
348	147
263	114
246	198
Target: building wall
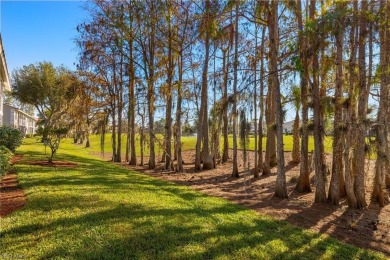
7	115
16	118
4	79
1	102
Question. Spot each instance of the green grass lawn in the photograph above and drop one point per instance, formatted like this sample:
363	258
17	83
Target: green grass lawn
288	143
99	210
189	143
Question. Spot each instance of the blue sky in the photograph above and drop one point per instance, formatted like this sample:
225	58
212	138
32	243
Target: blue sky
35	31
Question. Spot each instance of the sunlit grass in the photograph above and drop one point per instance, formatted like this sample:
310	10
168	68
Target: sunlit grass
99	210
189	143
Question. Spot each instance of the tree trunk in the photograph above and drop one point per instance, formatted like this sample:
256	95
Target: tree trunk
320	167
133	152
152	154
119	134
382	166
216	118
295	154
203	133
198	154
174	136
113	134
360	128
119	146
131	116
127	152
225	155
87	143
273	28
168	130
338	124
350	115
235	72
256	167
270	121
270	117
150	94
303	184
120	110
178	115
262	105
168	116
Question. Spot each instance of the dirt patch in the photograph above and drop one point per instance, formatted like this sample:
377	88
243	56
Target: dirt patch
368	228
54	164
16	158
11	196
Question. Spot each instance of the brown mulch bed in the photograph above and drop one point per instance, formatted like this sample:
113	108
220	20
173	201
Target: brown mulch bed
16	158
11	196
54	164
368	228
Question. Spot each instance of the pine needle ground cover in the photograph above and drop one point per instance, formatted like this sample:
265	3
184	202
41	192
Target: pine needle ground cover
99	210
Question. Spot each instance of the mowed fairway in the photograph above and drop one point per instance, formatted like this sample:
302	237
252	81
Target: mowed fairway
98	210
189	143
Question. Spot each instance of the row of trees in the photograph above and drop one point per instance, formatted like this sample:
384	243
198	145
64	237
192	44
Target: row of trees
208	62
212	56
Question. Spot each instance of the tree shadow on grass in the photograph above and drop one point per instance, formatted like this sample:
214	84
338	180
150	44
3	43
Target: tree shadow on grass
194	226
138	231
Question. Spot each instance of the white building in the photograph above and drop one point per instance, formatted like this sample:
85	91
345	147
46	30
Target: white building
19	119
288	127
5	84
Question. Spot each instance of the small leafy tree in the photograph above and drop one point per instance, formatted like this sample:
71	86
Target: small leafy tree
49	89
10	137
53	140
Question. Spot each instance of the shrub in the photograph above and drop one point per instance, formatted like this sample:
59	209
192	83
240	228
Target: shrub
10	137
5	158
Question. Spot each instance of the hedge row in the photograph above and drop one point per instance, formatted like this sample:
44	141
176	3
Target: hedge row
10	139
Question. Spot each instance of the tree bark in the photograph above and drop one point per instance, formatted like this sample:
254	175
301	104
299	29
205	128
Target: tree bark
151	97
295	154
225	155
382	165
120	110
270	121
303	184
320	167
131	116
203	133
88	129
273	28
338	125
350	115
179	167
113	134
168	116
141	134
360	128
261	119
235	79
256	167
